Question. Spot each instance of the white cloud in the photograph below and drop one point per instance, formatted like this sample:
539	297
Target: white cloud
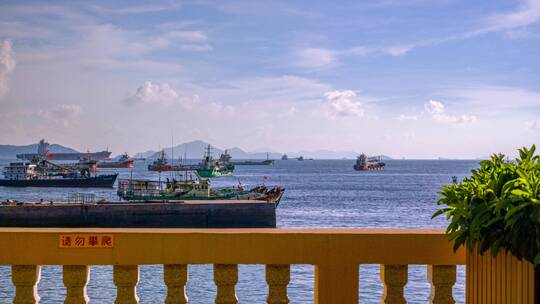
153	93
134	9
343	104
194	36
398	50
534	125
528	13
315	57
438	113
196	47
194	41
497	97
279	90
508	22
511	23
403	117
409	135
7	65
62	114
434	107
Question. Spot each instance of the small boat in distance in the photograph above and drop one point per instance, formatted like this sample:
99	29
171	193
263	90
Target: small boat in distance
284	157
365	163
300	158
123	162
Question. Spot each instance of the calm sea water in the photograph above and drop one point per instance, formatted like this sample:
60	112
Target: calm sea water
319	193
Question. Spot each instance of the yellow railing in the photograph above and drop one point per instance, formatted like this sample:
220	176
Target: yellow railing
335	253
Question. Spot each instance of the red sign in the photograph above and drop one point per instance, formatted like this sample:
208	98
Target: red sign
86	241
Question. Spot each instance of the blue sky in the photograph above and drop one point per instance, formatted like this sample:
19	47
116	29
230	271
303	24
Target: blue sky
409	78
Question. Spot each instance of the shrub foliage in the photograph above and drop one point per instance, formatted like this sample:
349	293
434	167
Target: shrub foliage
498	206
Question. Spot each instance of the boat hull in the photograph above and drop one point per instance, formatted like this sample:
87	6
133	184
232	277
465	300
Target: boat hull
68	156
170	214
254	163
116	165
368	168
214	172
102	181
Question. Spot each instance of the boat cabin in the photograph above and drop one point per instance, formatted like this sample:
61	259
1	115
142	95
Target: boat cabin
20	170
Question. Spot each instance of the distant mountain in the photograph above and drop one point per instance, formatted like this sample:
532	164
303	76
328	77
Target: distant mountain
10	151
196	149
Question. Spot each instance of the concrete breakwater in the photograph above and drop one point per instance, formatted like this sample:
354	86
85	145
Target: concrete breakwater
177	214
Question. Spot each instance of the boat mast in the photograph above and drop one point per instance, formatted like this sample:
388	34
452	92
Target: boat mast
172	154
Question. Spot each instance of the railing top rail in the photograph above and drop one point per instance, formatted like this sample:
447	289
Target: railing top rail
288	230
332	246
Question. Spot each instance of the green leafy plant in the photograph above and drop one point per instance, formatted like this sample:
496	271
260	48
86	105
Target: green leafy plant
498	206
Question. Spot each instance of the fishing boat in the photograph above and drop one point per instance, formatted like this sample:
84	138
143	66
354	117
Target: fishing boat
284	157
209	167
123	162
365	163
198	189
161	164
40	173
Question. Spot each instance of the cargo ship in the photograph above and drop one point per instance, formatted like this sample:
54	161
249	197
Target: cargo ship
199	189
40	173
365	163
43	152
123	162
265	162
215	168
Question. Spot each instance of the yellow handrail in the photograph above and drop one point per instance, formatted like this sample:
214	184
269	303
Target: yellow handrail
40	246
336	254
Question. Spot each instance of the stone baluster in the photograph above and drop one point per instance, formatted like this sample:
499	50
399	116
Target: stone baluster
226	277
126	278
25	278
442	278
175	277
277	278
75	279
394	279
